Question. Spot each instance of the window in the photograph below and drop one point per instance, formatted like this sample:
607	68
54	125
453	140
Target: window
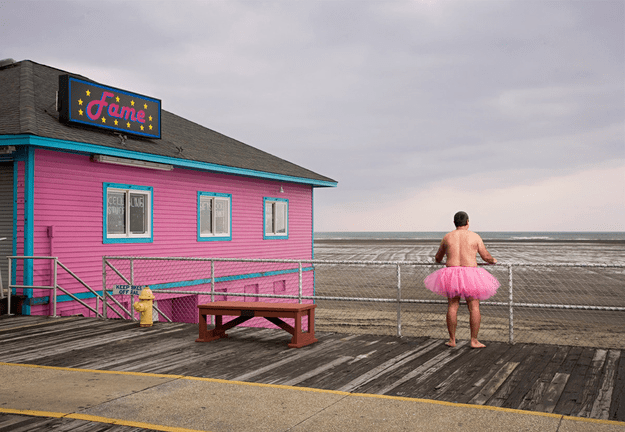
214	216
279	287
251	289
127	213
276	218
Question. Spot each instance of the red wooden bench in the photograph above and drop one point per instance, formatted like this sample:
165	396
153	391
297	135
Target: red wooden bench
272	312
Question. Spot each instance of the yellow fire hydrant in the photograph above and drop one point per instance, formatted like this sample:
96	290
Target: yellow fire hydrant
144	305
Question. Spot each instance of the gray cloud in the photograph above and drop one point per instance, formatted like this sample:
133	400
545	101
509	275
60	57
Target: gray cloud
387	97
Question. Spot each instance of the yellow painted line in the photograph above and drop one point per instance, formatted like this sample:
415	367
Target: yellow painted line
461	405
590	420
308	389
130	423
97	419
276	386
32	413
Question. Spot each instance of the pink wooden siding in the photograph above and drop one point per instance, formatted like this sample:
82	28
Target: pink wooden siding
69	198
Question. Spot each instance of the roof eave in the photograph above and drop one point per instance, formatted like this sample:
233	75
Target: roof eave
58	144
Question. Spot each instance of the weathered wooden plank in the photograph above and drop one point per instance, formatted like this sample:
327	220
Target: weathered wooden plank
59	346
491	366
552	393
534	397
321	369
423	372
389	366
297	356
26	423
592	382
617	407
469	369
413	367
493	384
450	379
523	358
601	405
366	358
358	349
10	420
537	363
571	398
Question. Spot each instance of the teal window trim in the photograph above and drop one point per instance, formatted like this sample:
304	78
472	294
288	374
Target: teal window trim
271	236
105	237
216	237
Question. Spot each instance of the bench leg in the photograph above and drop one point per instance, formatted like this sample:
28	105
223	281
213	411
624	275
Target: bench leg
210	335
299	338
220	329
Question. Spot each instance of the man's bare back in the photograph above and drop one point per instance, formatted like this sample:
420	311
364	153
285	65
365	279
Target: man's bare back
461	247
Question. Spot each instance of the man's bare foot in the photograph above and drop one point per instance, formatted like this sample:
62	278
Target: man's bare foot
451	343
477	344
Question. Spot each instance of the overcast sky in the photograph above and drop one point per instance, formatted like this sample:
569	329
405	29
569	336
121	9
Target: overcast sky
513	111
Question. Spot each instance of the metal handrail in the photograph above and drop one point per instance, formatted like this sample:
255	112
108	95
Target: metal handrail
1	285
510	303
54	286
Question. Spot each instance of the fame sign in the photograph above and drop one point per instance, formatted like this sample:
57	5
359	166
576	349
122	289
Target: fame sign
88	103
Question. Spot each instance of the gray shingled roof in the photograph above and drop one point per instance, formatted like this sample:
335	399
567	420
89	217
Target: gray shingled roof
28	106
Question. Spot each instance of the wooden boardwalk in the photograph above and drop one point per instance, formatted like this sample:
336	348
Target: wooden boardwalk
576	381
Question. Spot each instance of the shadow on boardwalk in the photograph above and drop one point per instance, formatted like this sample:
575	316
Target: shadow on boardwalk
575	381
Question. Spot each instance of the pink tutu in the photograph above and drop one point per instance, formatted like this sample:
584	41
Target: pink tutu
472	282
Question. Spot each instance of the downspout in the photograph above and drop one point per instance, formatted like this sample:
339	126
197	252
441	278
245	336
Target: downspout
27	155
14	253
312	228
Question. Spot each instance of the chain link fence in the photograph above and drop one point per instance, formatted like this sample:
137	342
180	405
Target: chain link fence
563	304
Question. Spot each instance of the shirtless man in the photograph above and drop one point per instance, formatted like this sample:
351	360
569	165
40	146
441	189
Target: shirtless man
462	277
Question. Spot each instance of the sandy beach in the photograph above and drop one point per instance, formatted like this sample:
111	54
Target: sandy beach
536	285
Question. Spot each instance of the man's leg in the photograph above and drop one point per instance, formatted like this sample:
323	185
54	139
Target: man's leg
452	319
475	319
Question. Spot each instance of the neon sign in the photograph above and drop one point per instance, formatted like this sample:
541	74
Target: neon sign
89	103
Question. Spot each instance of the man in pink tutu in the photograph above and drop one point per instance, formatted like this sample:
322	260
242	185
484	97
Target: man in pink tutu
462	277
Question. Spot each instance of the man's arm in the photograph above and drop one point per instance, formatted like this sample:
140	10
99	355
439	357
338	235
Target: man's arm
481	249
441	252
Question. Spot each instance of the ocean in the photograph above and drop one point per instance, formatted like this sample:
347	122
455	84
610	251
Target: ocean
486	235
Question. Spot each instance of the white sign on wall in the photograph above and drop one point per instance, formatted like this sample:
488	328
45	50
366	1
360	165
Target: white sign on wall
128	289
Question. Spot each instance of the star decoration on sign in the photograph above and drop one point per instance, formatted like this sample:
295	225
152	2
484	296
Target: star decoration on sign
79	112
145	106
115	121
132	103
79	101
88	93
150	127
128	124
141	127
103	120
117	99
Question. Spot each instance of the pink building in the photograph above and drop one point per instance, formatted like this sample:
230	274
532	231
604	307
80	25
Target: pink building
98	171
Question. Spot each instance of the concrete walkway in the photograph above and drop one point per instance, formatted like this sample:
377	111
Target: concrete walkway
178	403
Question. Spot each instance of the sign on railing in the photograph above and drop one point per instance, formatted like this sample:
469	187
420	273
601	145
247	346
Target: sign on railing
128	289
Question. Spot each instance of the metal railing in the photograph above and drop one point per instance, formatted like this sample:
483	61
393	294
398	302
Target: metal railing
560	303
2	295
535	301
54	286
